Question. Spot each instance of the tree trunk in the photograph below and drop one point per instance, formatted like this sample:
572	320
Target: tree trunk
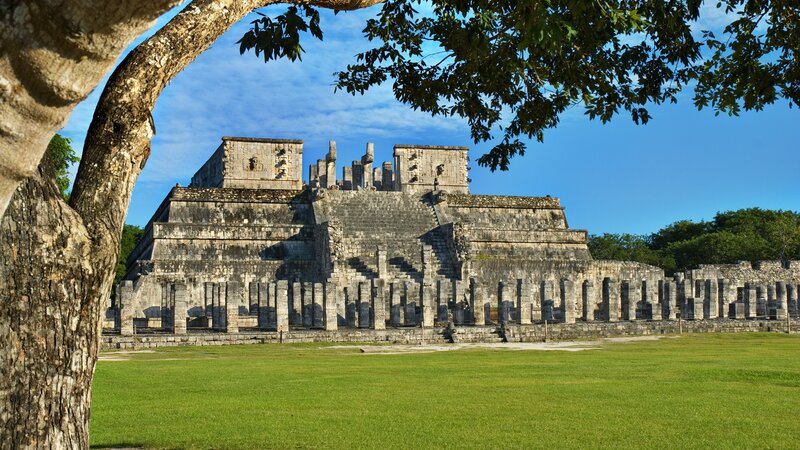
49	319
52	54
57	261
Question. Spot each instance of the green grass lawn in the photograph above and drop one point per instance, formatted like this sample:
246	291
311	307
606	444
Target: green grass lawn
694	391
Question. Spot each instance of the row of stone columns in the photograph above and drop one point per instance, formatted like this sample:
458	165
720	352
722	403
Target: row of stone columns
722	298
365	304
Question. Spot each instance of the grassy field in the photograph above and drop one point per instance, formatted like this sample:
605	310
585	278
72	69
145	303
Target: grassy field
699	391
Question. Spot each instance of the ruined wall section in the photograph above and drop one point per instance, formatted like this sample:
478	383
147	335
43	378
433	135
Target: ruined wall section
207	236
423	168
253	163
508	228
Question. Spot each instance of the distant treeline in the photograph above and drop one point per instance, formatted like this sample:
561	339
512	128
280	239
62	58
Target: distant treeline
130	236
745	235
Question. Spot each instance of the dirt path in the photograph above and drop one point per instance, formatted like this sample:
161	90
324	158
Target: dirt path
574	346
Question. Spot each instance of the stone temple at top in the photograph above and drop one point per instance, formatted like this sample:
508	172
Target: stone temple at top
248	244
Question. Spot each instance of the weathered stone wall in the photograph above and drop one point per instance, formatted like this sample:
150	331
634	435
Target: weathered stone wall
422	168
254	164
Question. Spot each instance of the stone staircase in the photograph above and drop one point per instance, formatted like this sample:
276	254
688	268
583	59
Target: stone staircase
396	222
472	335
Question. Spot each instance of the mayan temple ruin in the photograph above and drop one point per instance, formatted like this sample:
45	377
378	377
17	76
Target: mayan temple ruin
391	248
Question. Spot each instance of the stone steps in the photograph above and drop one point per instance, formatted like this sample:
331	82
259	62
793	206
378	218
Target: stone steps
396	222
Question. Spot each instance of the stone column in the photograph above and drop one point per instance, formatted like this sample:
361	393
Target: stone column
264	307
252	296
378	305
651	300
610	299
125	308
380	258
331	309
548	300
588	300
351	305
699	299
459	306
671	296
180	309
525	302
282	305
780	300
330	165
725	299
395	306
503	300
318	312
220	307
412	299
387	180
364	300
712	294
762	293
233	298
296	305
750	300
308	304
568	301
634	296
444	290
791	298
426	302
366	166
536	302
478	301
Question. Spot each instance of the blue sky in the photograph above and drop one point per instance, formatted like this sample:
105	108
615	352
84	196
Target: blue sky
617	177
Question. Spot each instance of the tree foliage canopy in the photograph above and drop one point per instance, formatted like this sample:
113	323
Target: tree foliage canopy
63	156
745	235
130	237
513	67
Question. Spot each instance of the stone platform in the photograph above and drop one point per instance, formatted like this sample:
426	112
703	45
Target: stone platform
444	335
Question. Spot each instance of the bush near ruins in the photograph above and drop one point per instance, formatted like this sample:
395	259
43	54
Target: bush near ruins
751	234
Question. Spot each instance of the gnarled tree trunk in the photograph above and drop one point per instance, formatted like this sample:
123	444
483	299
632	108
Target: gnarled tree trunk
57	261
52	54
